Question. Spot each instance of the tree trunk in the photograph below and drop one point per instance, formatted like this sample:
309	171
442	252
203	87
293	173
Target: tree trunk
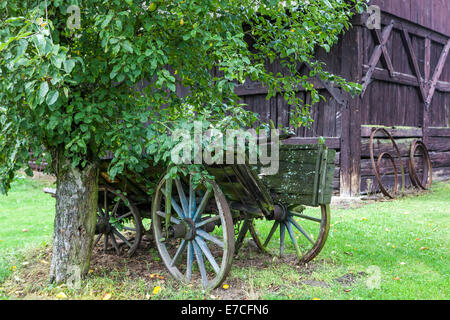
76	206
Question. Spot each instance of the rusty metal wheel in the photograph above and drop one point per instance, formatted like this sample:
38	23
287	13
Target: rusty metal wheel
193	230
380	175
306	231
374	165
118	222
427	176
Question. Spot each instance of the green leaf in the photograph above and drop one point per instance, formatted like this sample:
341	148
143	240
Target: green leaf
52	97
69	65
57	60
43	90
106	21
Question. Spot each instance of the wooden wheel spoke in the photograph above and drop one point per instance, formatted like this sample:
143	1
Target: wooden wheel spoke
202	223
272	231
202	245
301	230
178	253
178	209
172	219
201	264
105	244
98	239
175	205
305	217
282	236
293	239
114	210
189	261
192	203
124	216
184	202
202	206
207	236
121	237
114	242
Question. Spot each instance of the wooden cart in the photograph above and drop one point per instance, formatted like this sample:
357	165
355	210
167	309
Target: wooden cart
198	226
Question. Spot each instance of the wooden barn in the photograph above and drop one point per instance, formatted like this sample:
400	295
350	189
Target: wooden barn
404	68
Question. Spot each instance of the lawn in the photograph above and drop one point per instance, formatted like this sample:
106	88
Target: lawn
26	220
386	250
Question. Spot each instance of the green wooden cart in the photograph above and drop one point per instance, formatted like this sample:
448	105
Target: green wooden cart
198	227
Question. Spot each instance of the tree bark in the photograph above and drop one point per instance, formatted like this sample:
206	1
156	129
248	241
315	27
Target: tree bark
74	228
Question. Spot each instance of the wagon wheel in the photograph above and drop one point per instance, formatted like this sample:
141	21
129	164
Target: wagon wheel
193	230
305	232
118	222
427	170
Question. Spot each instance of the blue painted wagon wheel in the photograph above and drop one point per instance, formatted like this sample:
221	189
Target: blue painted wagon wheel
193	230
300	232
118	222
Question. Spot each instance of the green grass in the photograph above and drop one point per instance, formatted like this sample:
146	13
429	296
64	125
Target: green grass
26	220
402	245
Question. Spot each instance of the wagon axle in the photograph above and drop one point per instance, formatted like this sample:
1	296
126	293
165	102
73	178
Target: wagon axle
103	226
187	230
279	213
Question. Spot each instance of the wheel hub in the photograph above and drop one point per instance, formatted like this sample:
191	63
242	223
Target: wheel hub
191	231
103	226
185	230
279	213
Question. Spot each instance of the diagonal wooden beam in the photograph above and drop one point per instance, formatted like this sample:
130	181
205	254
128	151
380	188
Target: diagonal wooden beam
427	66
437	72
414	62
386	56
376	55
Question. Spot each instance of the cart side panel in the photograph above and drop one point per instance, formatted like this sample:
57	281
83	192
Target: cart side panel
327	186
304	175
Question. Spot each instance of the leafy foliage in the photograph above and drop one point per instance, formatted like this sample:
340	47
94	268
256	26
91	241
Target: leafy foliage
111	83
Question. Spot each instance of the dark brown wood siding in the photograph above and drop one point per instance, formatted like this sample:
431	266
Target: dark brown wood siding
432	14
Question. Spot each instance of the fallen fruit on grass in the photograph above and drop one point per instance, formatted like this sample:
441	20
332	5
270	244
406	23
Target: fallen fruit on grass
156	289
107	296
226	286
61	295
